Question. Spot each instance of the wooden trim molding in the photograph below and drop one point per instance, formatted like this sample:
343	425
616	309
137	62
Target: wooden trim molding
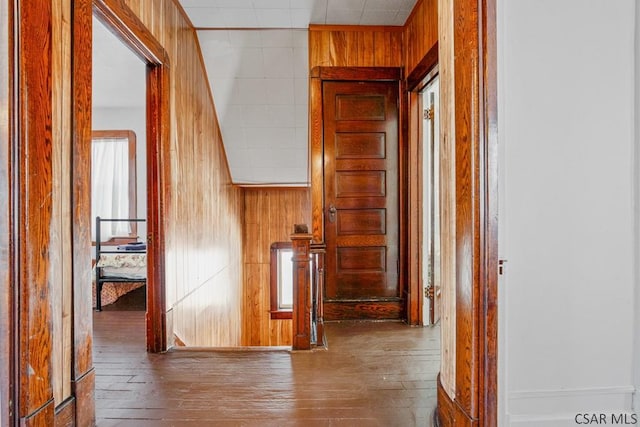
420	74
357	28
117	16
357	73
276	312
488	377
133	197
81	30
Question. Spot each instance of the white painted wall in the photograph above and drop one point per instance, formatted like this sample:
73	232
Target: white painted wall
636	180
567	170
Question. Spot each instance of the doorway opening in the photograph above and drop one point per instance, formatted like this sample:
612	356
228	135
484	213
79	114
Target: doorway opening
430	206
154	75
118	173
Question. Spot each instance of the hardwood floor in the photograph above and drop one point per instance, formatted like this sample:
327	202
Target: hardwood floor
373	374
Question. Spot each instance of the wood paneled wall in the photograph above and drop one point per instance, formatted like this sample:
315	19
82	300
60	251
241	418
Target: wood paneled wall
420	33
6	255
270	214
204	216
355	46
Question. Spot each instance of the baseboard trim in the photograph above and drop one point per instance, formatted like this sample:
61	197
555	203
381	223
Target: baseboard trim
532	394
550	408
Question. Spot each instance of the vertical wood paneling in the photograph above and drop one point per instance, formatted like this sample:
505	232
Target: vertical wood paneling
270	214
468	152
35	402
204	215
420	33
79	204
447	191
355	46
60	257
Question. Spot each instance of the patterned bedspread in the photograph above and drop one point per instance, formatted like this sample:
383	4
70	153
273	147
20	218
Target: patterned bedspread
123	265
123	260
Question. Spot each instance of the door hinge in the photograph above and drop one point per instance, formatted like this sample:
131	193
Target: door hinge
501	266
428	292
428	113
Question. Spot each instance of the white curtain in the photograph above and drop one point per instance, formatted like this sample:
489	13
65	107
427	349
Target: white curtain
110	186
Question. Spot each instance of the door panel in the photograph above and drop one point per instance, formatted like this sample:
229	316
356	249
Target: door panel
361	200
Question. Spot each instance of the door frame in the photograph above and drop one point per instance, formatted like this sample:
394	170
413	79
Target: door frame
118	18
416	82
317	76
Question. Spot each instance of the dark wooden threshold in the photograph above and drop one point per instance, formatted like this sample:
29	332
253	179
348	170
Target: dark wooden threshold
391	309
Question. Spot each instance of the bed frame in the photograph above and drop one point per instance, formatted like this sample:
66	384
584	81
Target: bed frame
101	277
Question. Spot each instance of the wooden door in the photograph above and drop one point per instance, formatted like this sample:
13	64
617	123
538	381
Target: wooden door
361	200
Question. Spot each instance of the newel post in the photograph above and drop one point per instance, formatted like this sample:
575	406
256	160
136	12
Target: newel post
301	242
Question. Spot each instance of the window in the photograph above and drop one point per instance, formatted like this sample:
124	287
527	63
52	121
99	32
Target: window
281	280
113	182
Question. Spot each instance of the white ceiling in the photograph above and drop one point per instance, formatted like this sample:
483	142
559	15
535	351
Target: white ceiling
255	53
295	13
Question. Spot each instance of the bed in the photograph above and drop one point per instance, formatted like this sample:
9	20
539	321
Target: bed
119	268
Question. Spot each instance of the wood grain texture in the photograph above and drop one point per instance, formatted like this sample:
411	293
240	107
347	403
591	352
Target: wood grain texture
60	258
414	224
270	214
34	212
391	383
318	76
449	413
65	414
488	322
361	266
466	74
420	33
84	395
7	249
447	191
79	83
353	46
301	319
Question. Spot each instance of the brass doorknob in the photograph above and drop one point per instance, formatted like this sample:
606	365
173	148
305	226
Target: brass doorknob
332	213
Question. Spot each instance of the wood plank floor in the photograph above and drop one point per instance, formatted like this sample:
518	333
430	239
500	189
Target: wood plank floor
373	374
